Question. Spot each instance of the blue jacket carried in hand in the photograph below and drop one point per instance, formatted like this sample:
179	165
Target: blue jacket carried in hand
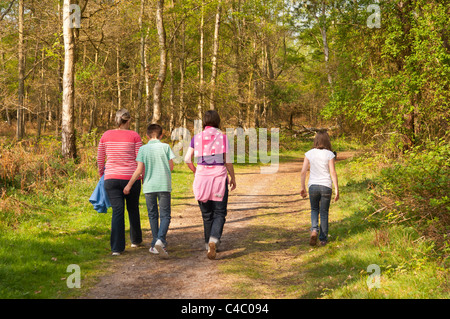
99	199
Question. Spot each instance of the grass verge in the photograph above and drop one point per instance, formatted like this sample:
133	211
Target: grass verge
279	263
50	225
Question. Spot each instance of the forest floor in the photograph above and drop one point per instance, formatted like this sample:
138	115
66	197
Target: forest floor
188	273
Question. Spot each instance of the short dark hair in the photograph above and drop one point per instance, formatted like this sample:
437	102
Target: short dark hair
154	130
211	118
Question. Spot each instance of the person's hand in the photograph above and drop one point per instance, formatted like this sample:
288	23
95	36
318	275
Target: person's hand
232	184
336	197
303	193
126	190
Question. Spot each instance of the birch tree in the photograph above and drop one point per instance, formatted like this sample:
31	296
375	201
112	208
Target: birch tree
67	129
212	97
159	84
201	68
21	91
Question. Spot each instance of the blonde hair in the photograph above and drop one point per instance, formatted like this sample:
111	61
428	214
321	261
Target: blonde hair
122	116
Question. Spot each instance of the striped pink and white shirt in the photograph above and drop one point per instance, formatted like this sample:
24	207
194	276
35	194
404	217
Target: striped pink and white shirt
120	148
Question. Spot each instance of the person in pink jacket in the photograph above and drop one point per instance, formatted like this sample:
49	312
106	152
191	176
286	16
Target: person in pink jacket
210	148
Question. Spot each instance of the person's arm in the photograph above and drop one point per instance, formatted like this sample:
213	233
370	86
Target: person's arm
230	169
139	170
101	155
188	159
305	168
171	165
331	164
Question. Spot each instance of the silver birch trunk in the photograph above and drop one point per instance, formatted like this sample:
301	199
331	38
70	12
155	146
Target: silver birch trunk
67	127
142	69
212	102
201	71
159	84
21	91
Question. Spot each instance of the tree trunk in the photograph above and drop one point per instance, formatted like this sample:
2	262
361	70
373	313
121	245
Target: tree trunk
326	51
147	82
182	62
239	65
43	97
21	92
2	63
201	70
67	128
119	89
142	69
212	102
323	31
60	71
172	91
157	89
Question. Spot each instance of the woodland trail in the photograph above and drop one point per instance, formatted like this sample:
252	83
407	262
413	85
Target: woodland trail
188	273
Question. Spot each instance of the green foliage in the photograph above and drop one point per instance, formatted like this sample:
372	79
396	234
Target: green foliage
415	190
396	79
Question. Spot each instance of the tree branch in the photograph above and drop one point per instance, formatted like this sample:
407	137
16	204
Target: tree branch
7	10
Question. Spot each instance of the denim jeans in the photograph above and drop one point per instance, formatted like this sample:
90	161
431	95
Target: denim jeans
320	198
159	230
114	189
214	216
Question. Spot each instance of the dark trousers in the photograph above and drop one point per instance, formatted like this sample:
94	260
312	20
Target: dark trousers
114	189
214	216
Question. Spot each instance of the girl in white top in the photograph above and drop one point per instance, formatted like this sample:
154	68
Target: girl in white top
321	162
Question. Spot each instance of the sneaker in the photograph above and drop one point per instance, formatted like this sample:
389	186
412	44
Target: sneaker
135	245
217	246
313	239
211	254
159	246
153	250
323	242
116	253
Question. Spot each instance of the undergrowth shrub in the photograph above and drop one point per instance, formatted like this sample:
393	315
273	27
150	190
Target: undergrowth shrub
415	189
31	167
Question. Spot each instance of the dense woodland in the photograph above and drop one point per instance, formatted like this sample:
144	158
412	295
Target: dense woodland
376	72
260	63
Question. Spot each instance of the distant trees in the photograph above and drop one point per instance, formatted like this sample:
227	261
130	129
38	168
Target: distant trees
392	83
258	62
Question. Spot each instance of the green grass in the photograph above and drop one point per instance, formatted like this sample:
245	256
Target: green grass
53	234
279	263
57	229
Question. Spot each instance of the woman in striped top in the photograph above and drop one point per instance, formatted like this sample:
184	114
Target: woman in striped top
120	147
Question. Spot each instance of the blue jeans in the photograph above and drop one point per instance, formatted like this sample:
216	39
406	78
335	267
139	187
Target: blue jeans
114	189
320	198
214	215
159	230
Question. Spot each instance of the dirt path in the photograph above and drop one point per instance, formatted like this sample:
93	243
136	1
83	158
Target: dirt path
188	274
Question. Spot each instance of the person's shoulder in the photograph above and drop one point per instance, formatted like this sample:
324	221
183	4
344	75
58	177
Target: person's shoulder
133	134
198	135
166	147
331	154
107	134
163	144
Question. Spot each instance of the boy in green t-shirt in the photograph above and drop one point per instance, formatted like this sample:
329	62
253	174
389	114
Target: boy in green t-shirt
156	160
